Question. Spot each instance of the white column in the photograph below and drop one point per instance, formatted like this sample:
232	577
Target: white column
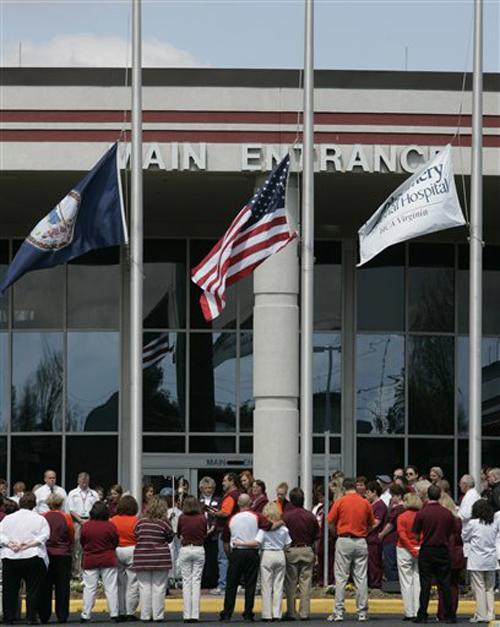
276	364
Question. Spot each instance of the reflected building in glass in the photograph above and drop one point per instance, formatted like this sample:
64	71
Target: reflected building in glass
390	356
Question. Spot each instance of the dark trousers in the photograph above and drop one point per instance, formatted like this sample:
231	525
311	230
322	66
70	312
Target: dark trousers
211	567
33	571
434	561
242	562
58	579
375	570
390	562
456	574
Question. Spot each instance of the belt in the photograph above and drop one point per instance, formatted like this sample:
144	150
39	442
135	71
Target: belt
193	545
300	546
351	535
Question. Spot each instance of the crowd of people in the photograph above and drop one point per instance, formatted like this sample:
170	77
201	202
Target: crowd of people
404	529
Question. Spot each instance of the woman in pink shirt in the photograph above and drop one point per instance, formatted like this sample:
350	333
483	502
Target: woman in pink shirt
407	549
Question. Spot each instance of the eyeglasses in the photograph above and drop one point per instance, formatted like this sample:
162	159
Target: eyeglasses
409	473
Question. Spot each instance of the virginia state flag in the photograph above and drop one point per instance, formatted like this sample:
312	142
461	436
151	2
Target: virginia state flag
91	216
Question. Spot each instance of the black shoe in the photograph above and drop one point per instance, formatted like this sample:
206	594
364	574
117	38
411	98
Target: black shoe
409	618
85	620
223	617
117	619
419	620
131	618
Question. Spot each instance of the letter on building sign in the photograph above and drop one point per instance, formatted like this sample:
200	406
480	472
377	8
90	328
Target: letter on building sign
198	159
275	154
174	156
251	155
380	157
153	157
404	158
330	153
357	159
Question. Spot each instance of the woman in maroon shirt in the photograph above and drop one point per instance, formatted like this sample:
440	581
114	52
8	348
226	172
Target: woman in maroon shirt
260	499
192	531
99	539
114	495
379	509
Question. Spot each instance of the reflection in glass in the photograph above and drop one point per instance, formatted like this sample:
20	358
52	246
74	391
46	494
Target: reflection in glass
490	454
37	381
430	287
246	300
247	401
327	285
491	290
4	381
326	382
164	381
30	458
164	284
431	384
213	381
380	384
94	290
3	457
98	455
426	453
211	444
164	444
490	403
379	456
4	300
380	292
227	319
93	381
38	299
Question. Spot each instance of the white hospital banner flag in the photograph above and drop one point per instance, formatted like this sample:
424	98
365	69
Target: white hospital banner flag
424	203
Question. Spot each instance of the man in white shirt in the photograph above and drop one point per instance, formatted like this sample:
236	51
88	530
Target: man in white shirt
471	495
48	488
79	503
23	536
385	483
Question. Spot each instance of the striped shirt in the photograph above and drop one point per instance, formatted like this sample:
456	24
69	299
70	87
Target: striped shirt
152	551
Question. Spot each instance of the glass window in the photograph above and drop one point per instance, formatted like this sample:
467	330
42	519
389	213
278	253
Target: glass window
491	290
4	381
4	300
213	381
32	307
3	457
164	444
379	456
246	444
247	401
326	382
211	444
164	381
381	292
490	353
37	381
380	384
164	284
425	453
97	455
430	287
431	384
490	454
30	458
319	446
327	285
94	290
227	319
245	302
93	381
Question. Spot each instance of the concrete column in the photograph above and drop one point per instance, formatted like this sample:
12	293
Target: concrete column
276	363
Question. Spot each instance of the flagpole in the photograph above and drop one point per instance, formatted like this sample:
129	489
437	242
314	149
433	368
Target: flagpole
136	274
476	252
307	262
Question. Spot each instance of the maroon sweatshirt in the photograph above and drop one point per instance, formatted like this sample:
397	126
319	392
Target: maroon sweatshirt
435	523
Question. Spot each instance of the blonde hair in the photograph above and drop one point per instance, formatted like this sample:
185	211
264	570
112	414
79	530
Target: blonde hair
446	501
54	501
156	509
271	512
412	501
421	487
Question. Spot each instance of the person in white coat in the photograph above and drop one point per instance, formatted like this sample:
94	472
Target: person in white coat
470	496
482	534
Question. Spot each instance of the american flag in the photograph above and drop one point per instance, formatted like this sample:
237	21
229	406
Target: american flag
155	351
259	230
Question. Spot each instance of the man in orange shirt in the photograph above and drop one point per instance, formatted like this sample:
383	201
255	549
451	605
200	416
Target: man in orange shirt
351	517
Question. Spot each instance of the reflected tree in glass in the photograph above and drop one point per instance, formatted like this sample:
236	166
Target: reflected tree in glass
37	389
431	384
380	384
164	381
247	401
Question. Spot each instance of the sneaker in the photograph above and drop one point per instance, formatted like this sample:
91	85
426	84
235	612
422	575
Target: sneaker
362	617
216	591
335	618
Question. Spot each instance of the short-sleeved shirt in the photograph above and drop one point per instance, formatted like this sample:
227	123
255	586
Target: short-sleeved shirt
352	516
125	525
275	540
302	525
192	529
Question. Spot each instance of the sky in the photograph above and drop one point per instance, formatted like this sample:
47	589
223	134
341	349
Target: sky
354	34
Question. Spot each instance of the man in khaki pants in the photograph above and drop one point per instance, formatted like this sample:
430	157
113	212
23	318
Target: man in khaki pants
352	518
300	556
